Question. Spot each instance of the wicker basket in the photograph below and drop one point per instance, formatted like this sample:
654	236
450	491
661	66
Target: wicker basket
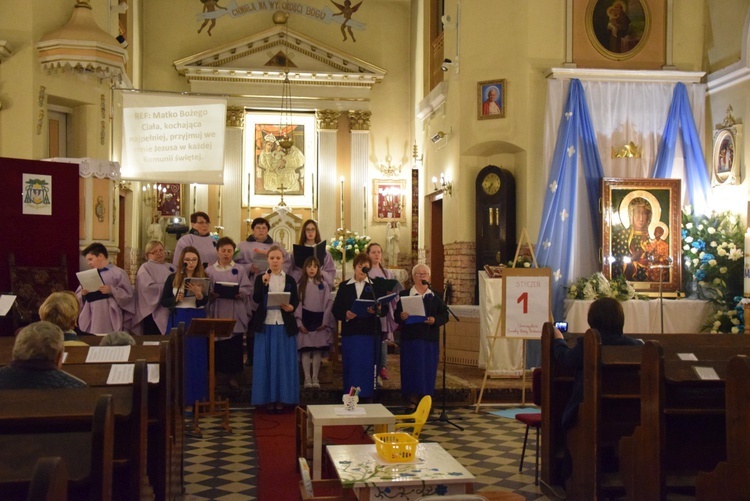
395	447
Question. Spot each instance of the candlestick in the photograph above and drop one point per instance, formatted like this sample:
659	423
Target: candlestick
747	264
342	202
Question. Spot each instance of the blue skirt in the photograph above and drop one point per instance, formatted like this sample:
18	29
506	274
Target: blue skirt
419	361
275	367
196	356
358	360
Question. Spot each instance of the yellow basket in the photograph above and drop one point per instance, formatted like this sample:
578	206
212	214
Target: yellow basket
395	447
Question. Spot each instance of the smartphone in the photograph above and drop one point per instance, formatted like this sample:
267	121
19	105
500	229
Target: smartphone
561	326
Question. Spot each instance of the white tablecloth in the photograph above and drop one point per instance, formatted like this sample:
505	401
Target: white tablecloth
507	357
644	317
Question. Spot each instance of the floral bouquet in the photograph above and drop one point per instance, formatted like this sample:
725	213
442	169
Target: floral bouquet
712	247
597	286
347	244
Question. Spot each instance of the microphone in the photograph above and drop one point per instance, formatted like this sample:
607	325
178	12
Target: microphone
425	282
365	270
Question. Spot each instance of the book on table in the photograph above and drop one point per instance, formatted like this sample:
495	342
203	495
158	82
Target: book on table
302	252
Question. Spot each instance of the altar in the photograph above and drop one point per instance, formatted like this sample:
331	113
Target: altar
507	357
684	316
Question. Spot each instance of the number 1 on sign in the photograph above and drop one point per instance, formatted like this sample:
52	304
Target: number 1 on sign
524	298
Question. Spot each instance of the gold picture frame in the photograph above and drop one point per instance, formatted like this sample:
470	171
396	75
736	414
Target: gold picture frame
388	200
641	233
491	99
727	156
619	34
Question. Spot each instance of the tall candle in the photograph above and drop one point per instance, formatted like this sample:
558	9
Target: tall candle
747	263
364	218
342	202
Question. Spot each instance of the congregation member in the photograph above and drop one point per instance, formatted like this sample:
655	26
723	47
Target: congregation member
253	256
387	322
37	360
150	316
275	366
315	321
309	237
110	308
199	238
360	334
606	316
186	300
62	309
231	291
117	338
420	340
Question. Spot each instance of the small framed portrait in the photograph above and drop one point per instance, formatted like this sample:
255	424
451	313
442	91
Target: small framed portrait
388	200
491	97
727	155
641	233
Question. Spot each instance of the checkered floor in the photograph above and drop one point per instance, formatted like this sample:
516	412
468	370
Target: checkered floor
222	466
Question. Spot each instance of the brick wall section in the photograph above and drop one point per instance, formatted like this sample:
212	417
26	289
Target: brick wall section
461	269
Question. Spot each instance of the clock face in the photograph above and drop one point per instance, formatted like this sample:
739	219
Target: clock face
491	183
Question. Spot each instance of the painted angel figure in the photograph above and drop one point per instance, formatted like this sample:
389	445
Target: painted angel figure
346	11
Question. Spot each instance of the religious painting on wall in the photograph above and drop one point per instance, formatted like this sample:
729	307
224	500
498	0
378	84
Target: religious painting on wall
491	99
641	233
272	166
627	34
727	153
388	198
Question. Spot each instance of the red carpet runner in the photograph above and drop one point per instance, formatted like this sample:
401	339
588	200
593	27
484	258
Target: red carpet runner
278	475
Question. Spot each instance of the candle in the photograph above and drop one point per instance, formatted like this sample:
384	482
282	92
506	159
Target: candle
747	263
364	218
342	202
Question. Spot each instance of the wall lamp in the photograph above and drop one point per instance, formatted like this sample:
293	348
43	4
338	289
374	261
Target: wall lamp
437	137
445	187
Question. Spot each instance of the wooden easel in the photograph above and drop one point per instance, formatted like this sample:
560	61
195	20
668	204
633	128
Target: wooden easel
211	328
500	322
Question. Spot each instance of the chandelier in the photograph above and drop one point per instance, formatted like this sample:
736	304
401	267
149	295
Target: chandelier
286	141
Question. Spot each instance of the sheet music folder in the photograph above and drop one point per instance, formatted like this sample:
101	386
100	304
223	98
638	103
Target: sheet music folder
221	327
302	252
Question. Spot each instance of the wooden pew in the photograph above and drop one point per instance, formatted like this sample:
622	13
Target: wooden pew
29	411
49	481
612	372
89	456
682	426
730	480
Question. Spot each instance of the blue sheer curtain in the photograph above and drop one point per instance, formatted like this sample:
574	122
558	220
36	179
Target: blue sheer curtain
576	141
696	172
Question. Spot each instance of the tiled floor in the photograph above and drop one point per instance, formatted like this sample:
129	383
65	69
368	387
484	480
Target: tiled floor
222	466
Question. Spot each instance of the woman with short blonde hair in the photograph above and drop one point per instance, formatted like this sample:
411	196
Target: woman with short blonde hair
61	309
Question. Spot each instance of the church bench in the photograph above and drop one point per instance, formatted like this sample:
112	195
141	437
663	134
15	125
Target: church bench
36	410
49	481
87	454
730	480
78	354
611	406
682	425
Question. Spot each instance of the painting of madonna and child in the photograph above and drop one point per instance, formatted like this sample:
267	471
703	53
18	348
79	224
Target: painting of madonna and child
641	233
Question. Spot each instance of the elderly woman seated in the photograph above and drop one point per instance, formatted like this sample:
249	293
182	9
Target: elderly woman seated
62	308
37	360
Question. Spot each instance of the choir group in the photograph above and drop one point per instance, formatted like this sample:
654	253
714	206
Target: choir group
283	302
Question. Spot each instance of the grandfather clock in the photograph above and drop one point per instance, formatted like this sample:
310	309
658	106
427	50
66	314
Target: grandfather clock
495	216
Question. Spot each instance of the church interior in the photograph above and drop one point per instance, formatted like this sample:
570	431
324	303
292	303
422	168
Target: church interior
598	140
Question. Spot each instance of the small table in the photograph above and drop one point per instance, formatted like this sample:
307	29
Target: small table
334	415
432	471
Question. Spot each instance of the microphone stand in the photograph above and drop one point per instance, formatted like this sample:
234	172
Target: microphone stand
443	418
378	335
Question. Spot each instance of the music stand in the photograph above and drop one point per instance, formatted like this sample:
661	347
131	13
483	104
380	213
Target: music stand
211	328
443	418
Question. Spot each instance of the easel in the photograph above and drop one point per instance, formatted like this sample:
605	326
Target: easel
501	322
211	328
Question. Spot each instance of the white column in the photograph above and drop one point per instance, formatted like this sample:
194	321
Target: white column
325	191
359	177
231	192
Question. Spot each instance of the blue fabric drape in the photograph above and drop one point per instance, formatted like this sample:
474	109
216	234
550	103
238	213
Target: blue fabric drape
575	140
696	172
